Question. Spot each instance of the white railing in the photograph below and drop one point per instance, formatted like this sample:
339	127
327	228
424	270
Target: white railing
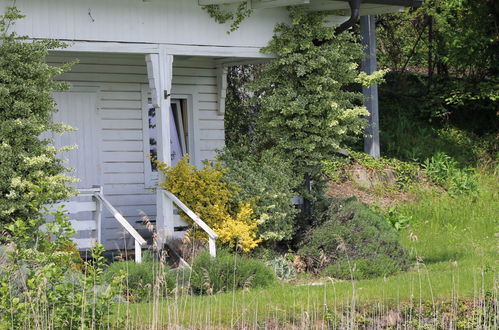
212	236
139	240
86	224
95	224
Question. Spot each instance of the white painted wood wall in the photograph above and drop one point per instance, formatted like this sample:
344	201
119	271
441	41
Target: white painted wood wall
181	22
120	79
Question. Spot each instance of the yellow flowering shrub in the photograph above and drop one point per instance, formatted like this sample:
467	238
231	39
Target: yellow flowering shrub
206	193
240	230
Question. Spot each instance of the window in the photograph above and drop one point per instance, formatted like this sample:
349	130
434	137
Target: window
178	135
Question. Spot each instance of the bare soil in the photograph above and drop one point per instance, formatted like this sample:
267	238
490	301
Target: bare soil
384	199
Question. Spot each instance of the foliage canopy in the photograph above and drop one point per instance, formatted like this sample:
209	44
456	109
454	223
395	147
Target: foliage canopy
269	182
30	174
307	112
209	196
456	43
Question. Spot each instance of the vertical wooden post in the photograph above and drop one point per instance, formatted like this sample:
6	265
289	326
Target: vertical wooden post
138	252
212	246
159	67
98	214
222	72
368	32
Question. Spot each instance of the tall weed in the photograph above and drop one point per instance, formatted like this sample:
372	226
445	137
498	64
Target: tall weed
41	285
443	170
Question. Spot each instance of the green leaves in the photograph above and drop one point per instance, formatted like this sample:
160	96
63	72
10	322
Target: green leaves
443	170
268	182
307	111
223	16
41	279
30	174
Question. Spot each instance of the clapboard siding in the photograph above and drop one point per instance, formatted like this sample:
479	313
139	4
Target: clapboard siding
200	75
120	79
161	21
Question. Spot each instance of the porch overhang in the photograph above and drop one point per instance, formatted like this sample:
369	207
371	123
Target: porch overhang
369	7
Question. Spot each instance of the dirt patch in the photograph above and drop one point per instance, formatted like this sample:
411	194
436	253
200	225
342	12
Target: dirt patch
384	200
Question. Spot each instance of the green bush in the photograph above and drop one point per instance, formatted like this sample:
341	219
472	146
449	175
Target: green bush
140	279
30	173
307	111
228	272
282	267
442	169
406	173
349	232
362	268
269	182
40	285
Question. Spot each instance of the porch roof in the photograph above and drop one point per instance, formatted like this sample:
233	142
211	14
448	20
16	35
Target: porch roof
368	6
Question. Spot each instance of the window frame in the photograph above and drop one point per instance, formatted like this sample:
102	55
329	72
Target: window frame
150	176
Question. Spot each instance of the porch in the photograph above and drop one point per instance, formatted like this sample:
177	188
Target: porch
110	103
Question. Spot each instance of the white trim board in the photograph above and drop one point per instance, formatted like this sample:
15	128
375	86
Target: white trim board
171	49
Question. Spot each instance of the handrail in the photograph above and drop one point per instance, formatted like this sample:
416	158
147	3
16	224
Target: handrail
212	236
139	240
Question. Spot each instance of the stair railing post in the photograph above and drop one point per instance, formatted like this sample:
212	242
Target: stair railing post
98	213
138	252
212	246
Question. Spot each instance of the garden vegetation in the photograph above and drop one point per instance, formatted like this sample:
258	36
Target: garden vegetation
329	262
30	174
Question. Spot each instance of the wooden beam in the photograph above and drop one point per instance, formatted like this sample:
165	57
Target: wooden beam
163	84
369	9
344	10
216	2
259	4
222	71
380	10
327	5
152	62
234	61
173	49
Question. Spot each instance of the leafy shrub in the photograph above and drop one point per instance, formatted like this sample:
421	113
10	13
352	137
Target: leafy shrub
268	180
334	168
406	173
141	279
442	169
282	267
362	268
347	232
207	193
39	284
228	272
307	113
397	220
30	174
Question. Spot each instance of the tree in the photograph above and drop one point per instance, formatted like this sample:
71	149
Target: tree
30	174
455	43
307	111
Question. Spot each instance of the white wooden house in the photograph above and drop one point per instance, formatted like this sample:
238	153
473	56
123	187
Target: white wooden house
135	55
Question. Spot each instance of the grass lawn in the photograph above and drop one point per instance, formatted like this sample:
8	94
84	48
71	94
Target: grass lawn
453	241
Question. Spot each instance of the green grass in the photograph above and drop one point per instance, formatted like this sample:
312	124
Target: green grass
290	302
455	258
454	228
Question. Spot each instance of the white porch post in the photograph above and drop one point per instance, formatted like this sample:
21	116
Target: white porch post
159	70
368	32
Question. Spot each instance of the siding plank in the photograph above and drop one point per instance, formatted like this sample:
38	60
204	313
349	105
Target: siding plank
112	114
120	156
123	167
